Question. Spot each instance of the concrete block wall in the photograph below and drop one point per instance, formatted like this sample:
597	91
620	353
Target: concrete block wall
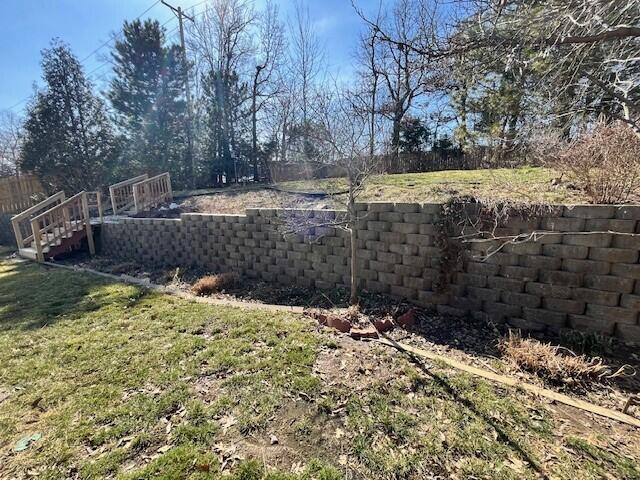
579	279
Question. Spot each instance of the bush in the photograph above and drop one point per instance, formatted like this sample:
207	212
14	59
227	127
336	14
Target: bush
214	283
604	162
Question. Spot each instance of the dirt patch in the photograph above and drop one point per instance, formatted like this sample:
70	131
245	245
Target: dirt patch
305	428
353	365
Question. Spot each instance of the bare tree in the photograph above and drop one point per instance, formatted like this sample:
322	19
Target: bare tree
268	57
306	64
345	143
368	57
586	52
221	39
11	136
402	70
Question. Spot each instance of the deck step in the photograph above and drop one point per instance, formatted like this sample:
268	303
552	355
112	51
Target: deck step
30	252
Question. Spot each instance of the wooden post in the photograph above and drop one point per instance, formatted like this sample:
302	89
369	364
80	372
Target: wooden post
17	232
87	220
113	200
135	199
37	239
169	189
66	220
99	200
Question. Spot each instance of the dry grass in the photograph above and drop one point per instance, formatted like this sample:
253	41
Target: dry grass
552	362
215	283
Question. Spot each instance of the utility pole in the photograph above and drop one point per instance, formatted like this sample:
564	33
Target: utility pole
180	14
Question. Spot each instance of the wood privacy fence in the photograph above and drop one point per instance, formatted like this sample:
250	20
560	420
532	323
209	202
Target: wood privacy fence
432	161
443	160
122	194
152	192
19	193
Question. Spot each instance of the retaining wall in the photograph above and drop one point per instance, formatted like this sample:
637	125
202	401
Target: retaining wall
588	282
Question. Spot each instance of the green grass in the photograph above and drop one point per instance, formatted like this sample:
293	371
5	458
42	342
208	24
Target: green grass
527	184
112	376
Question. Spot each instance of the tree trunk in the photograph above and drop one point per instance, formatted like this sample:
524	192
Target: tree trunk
254	136
353	219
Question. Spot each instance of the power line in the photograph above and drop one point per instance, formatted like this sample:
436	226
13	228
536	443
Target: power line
104	44
167	34
112	38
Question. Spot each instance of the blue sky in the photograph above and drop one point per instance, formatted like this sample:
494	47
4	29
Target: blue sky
27	26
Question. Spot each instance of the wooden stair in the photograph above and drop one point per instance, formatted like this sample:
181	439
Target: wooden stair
64	241
60	228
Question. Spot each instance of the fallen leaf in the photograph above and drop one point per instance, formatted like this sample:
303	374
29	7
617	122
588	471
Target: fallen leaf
226	422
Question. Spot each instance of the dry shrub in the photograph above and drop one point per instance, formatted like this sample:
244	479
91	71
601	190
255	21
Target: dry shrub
604	162
555	363
215	283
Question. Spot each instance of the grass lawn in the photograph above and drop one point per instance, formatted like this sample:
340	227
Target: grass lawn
528	184
124	383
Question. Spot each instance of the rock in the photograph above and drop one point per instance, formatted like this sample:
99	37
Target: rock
364	332
407	319
317	315
341	324
274	440
384	324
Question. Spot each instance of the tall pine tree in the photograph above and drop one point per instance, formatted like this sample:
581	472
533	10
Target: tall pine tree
69	142
226	130
147	95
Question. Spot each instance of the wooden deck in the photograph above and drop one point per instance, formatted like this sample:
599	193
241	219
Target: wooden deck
59	225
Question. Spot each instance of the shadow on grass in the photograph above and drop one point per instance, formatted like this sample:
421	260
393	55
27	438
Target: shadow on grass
502	434
32	297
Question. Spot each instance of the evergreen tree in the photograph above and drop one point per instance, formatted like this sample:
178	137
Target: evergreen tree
226	128
69	142
414	135
147	94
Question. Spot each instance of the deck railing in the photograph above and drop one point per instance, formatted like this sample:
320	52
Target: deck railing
52	227
22	222
122	194
152	192
95	205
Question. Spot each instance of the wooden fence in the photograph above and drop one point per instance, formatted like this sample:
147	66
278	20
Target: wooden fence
432	161
19	193
444	160
152	192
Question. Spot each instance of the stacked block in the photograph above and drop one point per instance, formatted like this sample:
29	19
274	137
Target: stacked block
583	274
